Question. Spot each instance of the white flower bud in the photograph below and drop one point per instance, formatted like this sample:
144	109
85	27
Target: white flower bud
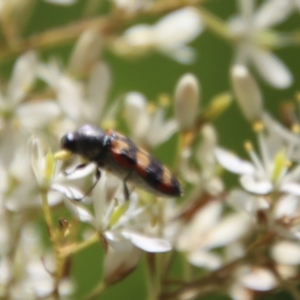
187	101
247	93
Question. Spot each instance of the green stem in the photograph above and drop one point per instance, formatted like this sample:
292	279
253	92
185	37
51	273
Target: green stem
149	271
97	291
48	218
215	24
79	247
60	262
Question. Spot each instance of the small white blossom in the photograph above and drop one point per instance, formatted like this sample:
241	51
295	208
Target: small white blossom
250	30
121	223
264	174
205	176
207	230
32	269
80	103
286	252
148	128
168	36
47	177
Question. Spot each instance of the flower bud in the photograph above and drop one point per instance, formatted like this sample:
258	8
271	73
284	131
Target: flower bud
187	101
247	93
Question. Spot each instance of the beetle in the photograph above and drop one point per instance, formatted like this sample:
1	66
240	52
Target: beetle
116	153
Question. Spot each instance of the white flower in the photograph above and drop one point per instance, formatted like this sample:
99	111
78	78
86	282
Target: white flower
121	223
169	36
149	129
267	173
250	30
207	230
206	176
17	118
22	79
32	269
249	279
286	252
48	176
79	103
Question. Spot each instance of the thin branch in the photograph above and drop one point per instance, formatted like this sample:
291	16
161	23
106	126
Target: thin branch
106	25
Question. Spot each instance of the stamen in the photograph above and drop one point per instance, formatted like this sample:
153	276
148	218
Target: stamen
151	108
296	128
265	154
164	100
258	126
254	157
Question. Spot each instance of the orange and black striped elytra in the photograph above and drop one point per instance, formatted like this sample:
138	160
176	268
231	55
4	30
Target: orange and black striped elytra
115	152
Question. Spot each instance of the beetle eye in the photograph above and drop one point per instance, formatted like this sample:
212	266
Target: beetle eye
68	142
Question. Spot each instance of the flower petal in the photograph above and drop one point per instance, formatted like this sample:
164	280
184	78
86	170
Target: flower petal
117	265
227	231
286	252
271	68
207	260
37	114
136	113
98	88
117	241
23	76
291	188
272	12
233	163
286	206
177	28
258	279
78	211
204	220
255	185
85	52
146	243
242	200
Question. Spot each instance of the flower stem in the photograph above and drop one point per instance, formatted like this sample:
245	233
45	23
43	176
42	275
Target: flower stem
106	26
48	218
215	24
72	249
97	291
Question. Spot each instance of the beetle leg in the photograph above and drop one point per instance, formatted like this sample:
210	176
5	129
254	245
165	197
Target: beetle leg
97	178
126	191
78	167
125	187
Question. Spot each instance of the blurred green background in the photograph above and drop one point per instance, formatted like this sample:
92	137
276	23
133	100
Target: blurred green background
153	75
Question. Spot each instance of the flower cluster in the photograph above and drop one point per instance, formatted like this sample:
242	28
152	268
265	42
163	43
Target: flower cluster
240	239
